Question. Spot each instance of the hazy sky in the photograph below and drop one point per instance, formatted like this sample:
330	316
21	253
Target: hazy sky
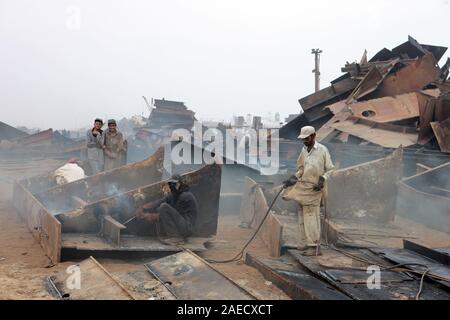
63	63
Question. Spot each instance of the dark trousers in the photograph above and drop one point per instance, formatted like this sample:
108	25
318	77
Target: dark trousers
173	223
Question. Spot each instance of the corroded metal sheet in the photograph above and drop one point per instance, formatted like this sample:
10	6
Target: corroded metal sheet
94	283
128	243
296	283
388	109
203	183
371	81
442	132
379	136
411	259
46	229
398	290
43	137
103	185
412	77
365	191
271	229
328	93
189	277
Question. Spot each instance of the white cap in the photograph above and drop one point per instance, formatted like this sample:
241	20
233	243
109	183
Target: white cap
306	132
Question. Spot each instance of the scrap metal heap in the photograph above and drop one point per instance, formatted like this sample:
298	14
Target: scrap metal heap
165	117
47	142
399	97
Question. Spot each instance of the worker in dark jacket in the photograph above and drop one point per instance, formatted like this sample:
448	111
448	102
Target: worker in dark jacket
176	211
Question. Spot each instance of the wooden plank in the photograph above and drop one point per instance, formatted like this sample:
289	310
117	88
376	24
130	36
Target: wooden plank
41	223
96	283
111	229
272	229
189	277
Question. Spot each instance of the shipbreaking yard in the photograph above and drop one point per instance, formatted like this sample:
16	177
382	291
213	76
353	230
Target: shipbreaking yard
385	214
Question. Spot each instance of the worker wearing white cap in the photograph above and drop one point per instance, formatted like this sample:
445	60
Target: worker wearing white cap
314	166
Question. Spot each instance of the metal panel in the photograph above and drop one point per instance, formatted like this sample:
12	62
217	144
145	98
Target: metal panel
411	78
129	243
271	230
45	228
366	191
328	93
102	185
412	260
388	109
96	283
439	256
189	277
43	137
419	202
111	230
442	132
296	283
403	290
382	137
360	277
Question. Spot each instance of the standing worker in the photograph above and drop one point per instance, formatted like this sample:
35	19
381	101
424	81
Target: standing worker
95	146
115	146
314	166
176	211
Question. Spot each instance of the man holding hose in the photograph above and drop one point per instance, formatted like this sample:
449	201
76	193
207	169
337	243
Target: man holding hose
314	166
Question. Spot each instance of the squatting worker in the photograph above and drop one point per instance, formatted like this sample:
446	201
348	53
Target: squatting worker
314	166
176	211
115	147
95	145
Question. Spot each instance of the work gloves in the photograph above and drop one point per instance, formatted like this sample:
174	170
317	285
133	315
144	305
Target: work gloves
290	182
320	184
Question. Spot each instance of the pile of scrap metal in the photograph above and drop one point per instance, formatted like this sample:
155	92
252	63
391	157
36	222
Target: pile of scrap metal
165	117
47	142
360	231
399	97
89	215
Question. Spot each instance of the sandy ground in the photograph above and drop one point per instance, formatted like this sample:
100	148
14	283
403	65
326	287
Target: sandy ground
23	264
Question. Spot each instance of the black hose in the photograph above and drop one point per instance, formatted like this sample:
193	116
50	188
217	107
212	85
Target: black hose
239	256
